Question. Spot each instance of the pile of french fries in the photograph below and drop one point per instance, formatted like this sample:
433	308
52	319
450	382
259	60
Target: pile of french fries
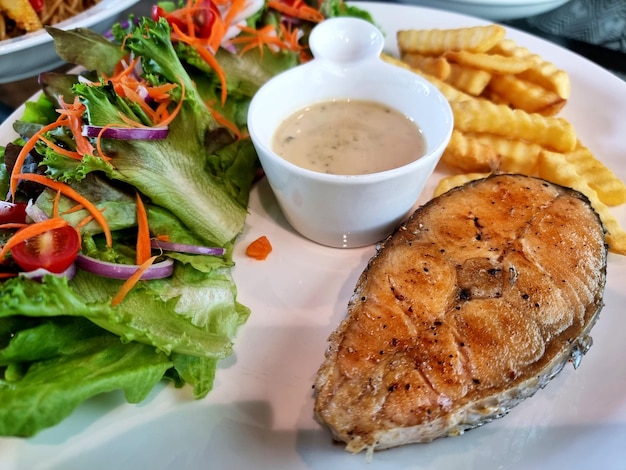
505	102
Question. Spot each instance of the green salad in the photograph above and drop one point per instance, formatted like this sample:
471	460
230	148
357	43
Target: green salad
126	190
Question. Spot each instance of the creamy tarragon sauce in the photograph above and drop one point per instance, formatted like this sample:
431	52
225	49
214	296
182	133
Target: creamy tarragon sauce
349	137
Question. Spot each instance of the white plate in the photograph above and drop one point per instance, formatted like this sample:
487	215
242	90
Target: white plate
28	55
492	9
259	415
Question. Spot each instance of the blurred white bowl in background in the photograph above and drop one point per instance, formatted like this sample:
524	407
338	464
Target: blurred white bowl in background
492	9
28	55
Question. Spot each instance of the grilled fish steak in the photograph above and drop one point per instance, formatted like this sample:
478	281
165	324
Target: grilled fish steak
471	306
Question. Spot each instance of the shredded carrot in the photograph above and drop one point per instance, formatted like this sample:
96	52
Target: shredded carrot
218	31
84	221
187	30
219	25
257	38
159	117
76	208
31	231
70	115
132	88
139	101
299	9
236	6
28	146
161	111
161	92
131	281
206	54
291	37
285	38
126	70
74	113
55	204
121	75
13	225
62	151
163	238
144	251
66	190
7	275
179	105
259	248
224	122
101	153
130	122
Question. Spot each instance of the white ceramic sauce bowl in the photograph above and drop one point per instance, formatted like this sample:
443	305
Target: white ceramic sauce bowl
346	211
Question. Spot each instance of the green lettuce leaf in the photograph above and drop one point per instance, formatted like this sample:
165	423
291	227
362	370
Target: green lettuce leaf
142	317
176	173
50	390
87	48
61	342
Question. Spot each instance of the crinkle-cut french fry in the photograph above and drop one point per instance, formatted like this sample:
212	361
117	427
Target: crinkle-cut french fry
467	79
543	73
435	66
515	156
480	115
611	190
548	76
496	98
452	181
23	13
492	63
468	155
451	93
438	41
526	95
508	47
554	168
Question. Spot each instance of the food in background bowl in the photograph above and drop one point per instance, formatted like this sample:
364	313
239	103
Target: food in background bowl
19	17
31	53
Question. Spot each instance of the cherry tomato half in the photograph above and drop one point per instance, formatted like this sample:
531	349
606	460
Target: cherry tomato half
54	250
13	213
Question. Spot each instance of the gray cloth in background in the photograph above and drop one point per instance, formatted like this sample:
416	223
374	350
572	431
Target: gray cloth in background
600	22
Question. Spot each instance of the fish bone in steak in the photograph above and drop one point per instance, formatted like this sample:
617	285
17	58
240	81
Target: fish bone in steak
471	306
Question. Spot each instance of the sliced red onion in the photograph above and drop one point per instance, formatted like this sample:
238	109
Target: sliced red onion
142	91
158	270
229	47
127	133
38	274
35	212
125	24
184	248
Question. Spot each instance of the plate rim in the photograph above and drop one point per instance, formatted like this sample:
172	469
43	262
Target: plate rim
19	454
